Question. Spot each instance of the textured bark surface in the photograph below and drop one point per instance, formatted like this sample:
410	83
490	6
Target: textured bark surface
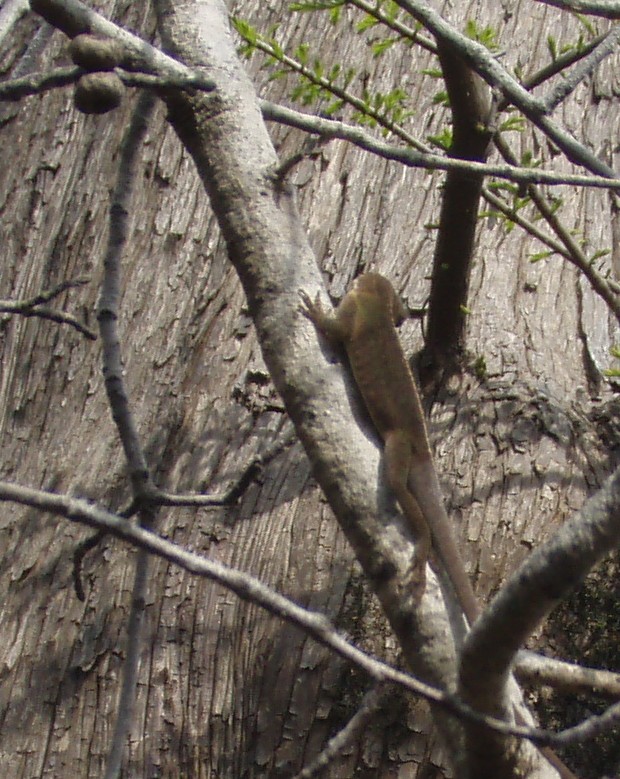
226	690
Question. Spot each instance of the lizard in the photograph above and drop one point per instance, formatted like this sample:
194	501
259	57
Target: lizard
365	323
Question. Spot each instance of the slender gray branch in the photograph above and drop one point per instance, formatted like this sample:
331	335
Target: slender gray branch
359	722
250	589
37	83
109	300
581	71
107	316
331	128
34	307
609	9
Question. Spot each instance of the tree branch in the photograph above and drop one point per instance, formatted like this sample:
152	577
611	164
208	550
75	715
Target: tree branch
482	61
547	576
34	307
586	66
316	625
609	9
332	128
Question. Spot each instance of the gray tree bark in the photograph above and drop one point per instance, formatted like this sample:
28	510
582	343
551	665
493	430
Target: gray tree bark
224	689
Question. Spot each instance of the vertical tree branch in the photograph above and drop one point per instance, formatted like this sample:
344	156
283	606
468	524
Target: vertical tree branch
107	316
470	104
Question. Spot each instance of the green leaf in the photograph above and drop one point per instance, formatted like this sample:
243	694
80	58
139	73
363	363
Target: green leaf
433	72
441	98
538	256
512	124
487	36
380	47
600	253
367	22
443	140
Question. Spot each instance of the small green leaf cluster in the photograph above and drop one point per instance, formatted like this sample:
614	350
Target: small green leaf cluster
486	36
327	86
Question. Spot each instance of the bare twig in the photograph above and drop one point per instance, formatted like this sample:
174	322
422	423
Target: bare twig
609	9
142	484
581	71
38	83
362	718
250	473
34	307
331	128
250	589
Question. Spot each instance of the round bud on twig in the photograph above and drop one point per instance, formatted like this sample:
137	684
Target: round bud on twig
98	93
95	54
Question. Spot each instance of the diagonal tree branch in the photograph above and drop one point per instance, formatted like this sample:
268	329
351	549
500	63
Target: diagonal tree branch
483	62
609	9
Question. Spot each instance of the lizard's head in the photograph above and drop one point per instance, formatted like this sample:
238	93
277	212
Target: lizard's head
378	286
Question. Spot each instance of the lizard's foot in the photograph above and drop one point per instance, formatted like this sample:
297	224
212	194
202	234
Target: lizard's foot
311	309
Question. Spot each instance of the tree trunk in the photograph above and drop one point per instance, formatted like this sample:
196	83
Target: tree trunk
226	690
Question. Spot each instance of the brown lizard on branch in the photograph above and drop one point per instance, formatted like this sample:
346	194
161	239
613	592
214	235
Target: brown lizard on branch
365	323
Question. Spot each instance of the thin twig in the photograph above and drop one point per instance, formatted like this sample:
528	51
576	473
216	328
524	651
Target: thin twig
581	71
33	307
605	8
363	717
38	83
559	64
331	128
142	484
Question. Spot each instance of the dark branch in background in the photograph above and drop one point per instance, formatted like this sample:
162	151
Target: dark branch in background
79	554
470	105
316	625
548	575
606	8
35	307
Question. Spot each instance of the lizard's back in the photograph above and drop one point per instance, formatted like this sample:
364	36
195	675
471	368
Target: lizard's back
379	364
